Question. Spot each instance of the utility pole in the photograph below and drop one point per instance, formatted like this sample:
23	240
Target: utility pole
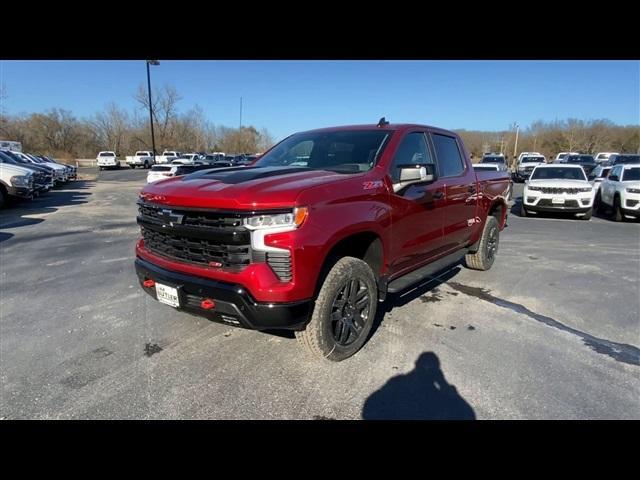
153	138
240	114
515	147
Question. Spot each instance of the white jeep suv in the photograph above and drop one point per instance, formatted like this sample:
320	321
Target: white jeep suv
620	192
558	188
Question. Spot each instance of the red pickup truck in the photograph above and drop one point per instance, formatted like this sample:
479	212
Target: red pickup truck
319	229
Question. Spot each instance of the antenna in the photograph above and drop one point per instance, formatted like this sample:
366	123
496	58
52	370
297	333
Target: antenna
382	122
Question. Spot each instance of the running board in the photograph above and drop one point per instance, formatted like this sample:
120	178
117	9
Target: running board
421	273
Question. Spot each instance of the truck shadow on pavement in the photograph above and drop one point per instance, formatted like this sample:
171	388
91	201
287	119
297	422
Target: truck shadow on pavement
422	394
411	293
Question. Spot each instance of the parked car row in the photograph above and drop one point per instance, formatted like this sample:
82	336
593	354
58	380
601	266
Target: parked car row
146	159
25	175
568	188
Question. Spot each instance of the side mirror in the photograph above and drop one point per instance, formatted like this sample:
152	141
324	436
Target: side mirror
591	177
418	173
422	172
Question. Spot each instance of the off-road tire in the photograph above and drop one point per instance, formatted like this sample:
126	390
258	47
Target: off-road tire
485	256
318	337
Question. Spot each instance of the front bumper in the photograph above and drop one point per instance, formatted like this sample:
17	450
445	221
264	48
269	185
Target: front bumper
21	192
234	305
537	202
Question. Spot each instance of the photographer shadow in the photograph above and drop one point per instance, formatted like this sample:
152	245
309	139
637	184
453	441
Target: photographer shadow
422	394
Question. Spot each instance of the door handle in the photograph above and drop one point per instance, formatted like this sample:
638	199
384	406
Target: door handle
472	188
438	195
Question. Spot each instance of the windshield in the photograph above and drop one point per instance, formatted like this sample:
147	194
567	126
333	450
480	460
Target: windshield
350	151
561	156
631	175
627	159
532	160
485	167
602	173
549	173
493	160
142	154
106	154
580	159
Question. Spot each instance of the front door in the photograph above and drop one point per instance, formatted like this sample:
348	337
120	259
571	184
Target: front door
417	210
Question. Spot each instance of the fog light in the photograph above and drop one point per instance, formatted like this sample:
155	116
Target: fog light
148	283
207	304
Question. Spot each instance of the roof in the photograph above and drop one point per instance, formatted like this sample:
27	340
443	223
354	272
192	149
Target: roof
560	165
372	126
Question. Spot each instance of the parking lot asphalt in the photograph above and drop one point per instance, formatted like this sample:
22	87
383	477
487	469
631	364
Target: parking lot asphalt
550	332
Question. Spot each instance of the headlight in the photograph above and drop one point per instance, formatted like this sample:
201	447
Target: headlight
633	190
20	180
290	219
535	189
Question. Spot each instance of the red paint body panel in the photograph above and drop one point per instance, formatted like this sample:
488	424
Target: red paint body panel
415	228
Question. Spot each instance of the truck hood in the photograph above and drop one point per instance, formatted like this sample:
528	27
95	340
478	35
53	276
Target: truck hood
11	169
559	183
244	188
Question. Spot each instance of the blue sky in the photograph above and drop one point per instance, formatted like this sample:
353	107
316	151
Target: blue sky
289	96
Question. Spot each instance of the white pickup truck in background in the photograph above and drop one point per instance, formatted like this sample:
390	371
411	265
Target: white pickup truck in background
107	159
167	156
143	158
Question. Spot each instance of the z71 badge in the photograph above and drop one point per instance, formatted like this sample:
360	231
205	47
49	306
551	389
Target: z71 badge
372	185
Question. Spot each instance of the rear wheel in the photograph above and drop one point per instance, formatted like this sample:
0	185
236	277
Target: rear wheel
146	165
343	312
485	256
132	166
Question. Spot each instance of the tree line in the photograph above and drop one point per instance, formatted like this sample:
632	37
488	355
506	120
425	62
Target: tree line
549	138
59	133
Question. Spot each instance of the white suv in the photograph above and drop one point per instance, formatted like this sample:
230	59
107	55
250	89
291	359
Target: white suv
107	159
620	191
558	188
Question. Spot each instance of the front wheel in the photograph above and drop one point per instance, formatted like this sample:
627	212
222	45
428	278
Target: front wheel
618	216
132	166
485	256
343	312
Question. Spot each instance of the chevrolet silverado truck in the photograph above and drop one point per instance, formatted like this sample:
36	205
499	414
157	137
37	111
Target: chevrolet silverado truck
314	248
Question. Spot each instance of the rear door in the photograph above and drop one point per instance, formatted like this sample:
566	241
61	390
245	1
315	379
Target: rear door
416	232
459	182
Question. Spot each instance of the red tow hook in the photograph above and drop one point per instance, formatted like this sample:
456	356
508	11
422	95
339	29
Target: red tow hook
148	283
207	304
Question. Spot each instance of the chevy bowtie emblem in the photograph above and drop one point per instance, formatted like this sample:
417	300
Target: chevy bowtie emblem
215	264
169	217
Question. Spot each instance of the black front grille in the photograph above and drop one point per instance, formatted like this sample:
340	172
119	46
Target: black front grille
197	250
547	202
207	238
552	190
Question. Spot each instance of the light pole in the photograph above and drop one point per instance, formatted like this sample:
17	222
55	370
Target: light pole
515	146
153	139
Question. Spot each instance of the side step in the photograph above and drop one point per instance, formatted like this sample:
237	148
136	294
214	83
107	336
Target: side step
421	273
